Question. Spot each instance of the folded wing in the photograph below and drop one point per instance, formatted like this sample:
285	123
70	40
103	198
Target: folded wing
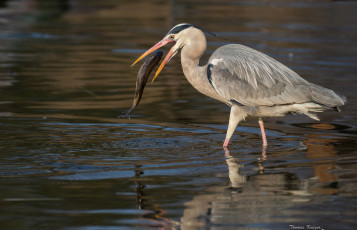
249	77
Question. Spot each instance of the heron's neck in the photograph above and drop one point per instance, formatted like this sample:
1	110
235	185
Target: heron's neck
190	64
196	74
195	46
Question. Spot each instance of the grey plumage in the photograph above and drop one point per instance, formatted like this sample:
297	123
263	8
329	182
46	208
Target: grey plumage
250	82
254	79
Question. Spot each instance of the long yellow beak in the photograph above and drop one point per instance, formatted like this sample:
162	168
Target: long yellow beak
163	63
152	49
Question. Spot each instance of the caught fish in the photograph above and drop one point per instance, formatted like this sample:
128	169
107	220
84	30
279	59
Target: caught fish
143	76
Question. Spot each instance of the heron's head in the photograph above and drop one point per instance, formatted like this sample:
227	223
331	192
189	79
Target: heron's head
177	35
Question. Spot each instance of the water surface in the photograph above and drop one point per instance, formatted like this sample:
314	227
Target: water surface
70	161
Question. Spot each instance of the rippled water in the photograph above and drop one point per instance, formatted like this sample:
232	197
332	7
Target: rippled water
68	160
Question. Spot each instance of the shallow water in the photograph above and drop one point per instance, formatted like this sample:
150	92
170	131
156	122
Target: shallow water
68	160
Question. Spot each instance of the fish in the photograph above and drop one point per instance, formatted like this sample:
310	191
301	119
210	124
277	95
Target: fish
143	75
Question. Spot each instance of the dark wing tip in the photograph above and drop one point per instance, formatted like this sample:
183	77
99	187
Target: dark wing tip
336	108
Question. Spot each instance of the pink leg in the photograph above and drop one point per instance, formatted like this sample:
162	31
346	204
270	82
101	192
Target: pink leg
226	142
264	138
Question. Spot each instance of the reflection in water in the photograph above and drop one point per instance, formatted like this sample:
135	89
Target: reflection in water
323	151
236	177
264	197
155	214
139	188
248	199
67	162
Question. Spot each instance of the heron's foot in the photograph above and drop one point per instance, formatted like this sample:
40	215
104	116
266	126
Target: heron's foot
226	151
226	142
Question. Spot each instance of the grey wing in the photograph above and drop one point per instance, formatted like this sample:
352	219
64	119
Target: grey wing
252	78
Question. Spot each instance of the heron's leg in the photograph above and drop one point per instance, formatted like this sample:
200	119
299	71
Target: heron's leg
235	117
262	130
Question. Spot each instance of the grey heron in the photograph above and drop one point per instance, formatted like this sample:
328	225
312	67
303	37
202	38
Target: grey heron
253	84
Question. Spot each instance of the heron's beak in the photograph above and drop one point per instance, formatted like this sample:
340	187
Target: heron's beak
170	54
168	57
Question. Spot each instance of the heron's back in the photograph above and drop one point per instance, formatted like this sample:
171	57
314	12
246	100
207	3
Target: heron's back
253	78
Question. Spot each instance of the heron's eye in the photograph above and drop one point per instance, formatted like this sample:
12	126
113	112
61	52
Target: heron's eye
172	36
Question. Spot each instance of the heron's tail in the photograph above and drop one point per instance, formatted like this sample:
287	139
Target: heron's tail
322	99
327	97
